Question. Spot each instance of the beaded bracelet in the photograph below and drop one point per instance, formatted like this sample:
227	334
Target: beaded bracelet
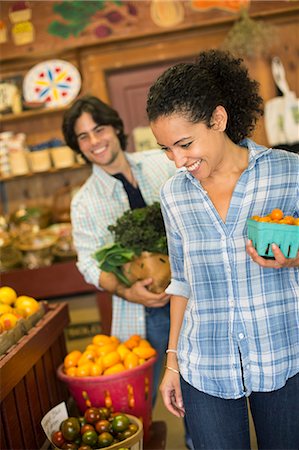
172	369
170	350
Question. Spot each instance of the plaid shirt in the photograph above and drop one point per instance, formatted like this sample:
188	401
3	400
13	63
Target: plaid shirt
100	201
240	331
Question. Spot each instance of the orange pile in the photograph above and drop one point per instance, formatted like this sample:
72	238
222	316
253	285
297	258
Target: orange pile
277	216
106	355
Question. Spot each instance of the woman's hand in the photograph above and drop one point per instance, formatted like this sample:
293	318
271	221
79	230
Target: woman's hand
170	389
279	262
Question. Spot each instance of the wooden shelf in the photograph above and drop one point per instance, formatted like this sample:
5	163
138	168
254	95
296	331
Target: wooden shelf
33	174
31	113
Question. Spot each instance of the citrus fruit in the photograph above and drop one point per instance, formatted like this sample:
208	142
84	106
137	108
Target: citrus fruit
28	304
8	321
4	308
7	295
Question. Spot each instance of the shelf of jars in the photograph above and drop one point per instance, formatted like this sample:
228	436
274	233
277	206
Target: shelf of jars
51	170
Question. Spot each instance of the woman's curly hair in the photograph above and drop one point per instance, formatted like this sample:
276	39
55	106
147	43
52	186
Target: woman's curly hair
196	89
101	113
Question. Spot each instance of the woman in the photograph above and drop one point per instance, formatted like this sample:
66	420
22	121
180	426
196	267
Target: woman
234	330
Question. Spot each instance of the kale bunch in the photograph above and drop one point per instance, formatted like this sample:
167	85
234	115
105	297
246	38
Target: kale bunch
141	230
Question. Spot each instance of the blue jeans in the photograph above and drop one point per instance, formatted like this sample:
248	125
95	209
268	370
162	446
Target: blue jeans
157	333
218	424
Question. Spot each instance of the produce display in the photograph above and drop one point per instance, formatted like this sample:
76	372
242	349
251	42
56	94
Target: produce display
14	308
98	428
106	355
139	250
30	239
18	314
275	227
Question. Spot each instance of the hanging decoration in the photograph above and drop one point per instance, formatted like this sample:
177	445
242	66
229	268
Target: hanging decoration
54	82
249	38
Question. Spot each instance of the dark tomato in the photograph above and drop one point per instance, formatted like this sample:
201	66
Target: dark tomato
90	437
105	439
102	425
92	415
104	412
87	427
70	428
120	423
85	447
57	438
82	420
69	446
126	434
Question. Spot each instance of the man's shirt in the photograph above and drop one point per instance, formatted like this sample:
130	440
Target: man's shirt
240	331
98	204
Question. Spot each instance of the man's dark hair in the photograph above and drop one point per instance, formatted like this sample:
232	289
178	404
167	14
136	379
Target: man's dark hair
101	113
196	89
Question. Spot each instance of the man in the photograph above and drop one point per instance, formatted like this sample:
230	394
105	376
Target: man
119	181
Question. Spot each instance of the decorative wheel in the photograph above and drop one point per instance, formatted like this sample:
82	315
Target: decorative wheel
54	82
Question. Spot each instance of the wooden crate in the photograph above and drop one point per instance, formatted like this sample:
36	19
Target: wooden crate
29	387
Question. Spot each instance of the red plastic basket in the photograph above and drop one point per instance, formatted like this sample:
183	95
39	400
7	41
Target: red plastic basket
129	391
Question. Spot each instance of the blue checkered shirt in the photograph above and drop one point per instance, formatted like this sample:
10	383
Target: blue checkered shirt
99	202
240	331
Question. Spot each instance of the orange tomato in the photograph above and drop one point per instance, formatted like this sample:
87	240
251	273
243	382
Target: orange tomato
101	339
119	367
276	214
131	342
71	360
110	359
256	218
71	371
123	351
296	221
289	220
265	219
131	361
144	352
84	370
105	349
95	370
144	343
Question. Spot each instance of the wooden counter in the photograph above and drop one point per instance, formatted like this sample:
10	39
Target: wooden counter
29	386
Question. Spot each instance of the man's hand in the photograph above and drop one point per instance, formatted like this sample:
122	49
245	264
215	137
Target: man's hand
137	293
279	262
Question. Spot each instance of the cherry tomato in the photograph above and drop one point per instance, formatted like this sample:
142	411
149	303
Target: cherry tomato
87	427
70	428
57	438
103	425
92	415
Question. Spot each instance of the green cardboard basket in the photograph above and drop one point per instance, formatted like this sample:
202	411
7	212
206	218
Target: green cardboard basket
264	234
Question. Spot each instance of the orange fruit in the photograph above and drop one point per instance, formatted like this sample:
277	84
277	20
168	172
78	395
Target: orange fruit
276	214
132	342
114	340
144	343
296	221
84	370
8	321
95	370
131	361
71	371
7	295
87	356
288	220
101	339
110	359
265	219
144	352
256	218
72	358
105	349
119	367
5	308
123	351
27	304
